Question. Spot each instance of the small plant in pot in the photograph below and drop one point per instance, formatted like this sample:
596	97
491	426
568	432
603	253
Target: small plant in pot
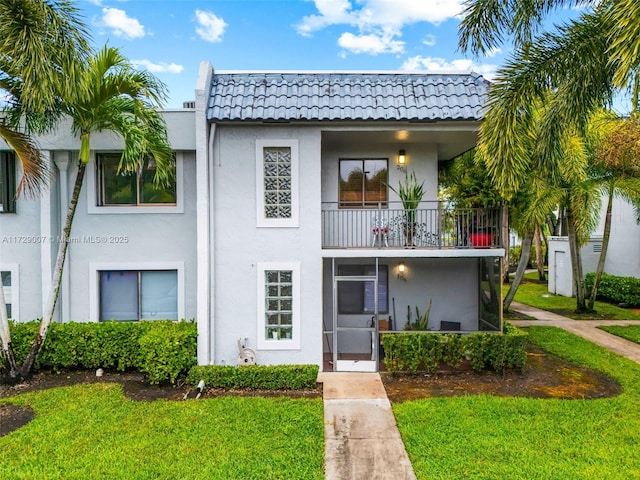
410	193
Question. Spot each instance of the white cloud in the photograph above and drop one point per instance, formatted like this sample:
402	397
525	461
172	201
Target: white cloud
371	43
211	27
493	52
434	64
429	40
161	67
121	24
378	22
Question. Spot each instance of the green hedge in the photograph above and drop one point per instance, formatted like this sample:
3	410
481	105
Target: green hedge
163	350
614	289
410	352
255	377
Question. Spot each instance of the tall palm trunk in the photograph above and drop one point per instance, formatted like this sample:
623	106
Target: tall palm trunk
537	241
576	261
57	274
603	253
8	357
522	266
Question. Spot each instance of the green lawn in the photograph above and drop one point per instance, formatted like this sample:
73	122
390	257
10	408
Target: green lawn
630	332
533	292
484	437
94	432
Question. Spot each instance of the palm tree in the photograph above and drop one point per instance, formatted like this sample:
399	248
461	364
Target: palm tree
110	95
584	63
616	168
40	43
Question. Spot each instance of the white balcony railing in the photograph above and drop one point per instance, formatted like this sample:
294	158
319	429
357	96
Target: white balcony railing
389	225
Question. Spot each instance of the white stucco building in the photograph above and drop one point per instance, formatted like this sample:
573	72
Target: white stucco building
282	229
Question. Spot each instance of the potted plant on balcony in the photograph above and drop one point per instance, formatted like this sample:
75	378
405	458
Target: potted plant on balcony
410	193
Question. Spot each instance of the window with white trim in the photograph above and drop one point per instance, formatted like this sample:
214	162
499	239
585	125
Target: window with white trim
131	295
7	182
118	187
6	288
277	183
278	306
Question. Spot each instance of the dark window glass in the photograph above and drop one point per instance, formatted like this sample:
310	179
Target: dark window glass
363	183
7	182
358	297
131	188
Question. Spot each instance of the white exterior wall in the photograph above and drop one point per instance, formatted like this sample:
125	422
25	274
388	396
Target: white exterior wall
623	254
239	245
560	274
133	240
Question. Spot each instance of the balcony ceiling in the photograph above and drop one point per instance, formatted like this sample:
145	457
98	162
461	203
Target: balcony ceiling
452	138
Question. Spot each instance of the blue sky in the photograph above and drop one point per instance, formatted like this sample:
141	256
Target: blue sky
170	38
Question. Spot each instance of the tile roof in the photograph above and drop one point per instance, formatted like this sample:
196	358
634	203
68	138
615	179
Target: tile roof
345	96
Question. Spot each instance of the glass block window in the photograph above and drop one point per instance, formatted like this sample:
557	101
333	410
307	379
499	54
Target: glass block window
277	182
278	296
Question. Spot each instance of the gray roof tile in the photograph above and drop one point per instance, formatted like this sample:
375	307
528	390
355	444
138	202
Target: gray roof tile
346	96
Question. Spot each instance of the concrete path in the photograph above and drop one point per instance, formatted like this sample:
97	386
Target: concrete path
362	440
584	328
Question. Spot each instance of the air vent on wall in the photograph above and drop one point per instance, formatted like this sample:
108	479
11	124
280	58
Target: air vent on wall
597	247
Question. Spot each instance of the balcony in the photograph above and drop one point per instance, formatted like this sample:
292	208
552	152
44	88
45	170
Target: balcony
430	226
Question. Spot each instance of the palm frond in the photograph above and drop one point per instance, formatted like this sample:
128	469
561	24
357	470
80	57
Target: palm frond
35	171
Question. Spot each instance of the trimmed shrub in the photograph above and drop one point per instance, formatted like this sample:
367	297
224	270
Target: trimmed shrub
168	350
614	289
255	377
410	352
162	349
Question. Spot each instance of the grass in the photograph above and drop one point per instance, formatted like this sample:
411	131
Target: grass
93	431
534	292
630	332
484	437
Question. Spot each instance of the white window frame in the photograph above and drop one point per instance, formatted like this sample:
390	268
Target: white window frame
14	268
92	192
292	343
262	221
94	281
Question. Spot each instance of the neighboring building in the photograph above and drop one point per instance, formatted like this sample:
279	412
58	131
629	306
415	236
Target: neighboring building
285	234
623	253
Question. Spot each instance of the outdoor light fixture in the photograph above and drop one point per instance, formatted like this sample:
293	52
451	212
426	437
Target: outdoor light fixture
402	160
402	157
401	271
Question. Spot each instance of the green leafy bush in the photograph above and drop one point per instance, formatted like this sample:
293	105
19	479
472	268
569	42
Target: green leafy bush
255	377
159	348
168	350
614	289
410	352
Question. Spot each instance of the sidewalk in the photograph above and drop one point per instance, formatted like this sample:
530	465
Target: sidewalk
362	440
586	329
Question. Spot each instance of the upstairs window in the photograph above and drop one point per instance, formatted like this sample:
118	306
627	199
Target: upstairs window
363	183
7	182
131	188
277	183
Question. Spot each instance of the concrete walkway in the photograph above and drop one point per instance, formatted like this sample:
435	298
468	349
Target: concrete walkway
362	440
583	328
